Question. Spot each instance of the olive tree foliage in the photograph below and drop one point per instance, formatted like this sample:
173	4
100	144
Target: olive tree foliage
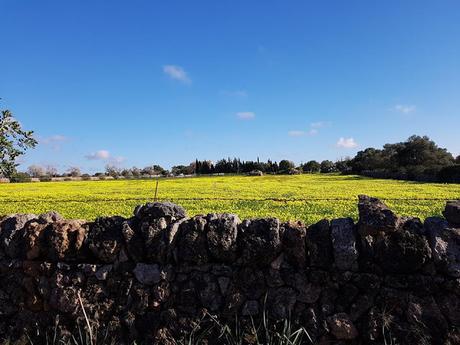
327	167
14	142
417	158
311	167
286	165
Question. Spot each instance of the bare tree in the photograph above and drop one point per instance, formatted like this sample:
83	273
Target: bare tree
36	171
51	171
136	171
127	173
74	171
112	170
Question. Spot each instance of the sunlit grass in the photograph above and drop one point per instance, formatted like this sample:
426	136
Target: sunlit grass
304	197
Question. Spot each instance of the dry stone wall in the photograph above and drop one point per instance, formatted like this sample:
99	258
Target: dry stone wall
153	277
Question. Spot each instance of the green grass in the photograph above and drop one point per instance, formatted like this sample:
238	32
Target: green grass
303	197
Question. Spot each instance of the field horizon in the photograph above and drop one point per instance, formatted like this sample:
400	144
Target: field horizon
307	197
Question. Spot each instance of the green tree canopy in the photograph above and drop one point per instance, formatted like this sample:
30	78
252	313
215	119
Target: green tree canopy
14	142
286	165
327	166
417	158
311	167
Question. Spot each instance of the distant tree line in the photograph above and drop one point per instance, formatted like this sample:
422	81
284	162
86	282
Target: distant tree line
418	159
237	166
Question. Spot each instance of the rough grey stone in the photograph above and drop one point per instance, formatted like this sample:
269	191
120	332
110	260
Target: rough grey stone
259	241
105	238
158	210
401	252
221	233
342	327
224	283
319	244
452	212
50	217
343	234
191	243
250	308
147	274
375	217
294	243
103	272
10	239
445	245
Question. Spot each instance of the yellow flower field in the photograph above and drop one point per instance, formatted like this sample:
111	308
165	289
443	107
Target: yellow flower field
302	197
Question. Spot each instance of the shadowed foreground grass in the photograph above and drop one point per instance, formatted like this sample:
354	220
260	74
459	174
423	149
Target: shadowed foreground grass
211	331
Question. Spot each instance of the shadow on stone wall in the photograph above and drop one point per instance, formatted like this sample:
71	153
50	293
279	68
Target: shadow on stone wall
152	276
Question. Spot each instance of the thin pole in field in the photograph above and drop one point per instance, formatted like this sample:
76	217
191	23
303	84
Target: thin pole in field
156	192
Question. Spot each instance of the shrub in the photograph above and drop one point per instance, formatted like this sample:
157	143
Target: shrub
286	165
450	174
311	167
20	177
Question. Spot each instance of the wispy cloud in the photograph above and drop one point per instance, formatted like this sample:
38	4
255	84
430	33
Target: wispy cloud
312	131
117	160
300	133
98	155
405	109
234	93
246	115
54	141
318	124
177	73
104	155
296	133
347	143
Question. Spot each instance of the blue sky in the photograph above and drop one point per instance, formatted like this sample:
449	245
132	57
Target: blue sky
165	82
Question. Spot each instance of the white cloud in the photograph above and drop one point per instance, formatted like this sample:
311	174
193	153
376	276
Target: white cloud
53	141
296	133
405	109
104	155
98	155
314	130
117	160
177	73
246	115
317	124
347	143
